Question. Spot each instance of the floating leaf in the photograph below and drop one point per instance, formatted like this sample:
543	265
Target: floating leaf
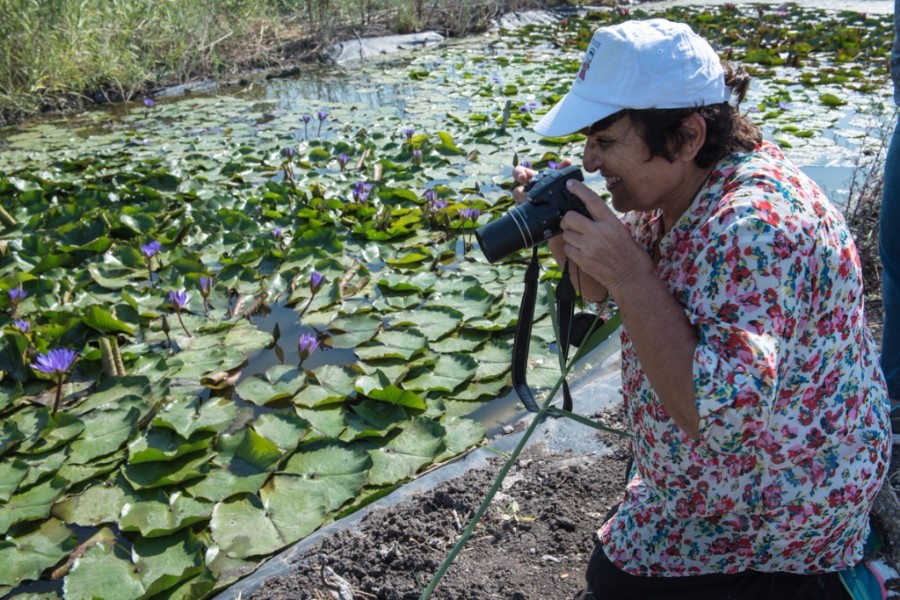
156	513
104	322
96	505
161	473
393	344
332	384
279	383
335	473
249	526
105	432
243	464
104	570
163	444
12	472
420	441
284	429
25	557
164	562
449	372
831	100
31	504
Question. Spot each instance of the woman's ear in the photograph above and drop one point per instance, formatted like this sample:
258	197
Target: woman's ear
694	128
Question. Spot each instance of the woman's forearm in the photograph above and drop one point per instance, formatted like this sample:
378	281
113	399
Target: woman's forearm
665	341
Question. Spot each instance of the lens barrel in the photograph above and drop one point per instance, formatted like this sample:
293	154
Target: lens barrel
526	225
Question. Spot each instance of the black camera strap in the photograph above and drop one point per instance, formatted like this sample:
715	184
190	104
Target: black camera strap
523	335
565	308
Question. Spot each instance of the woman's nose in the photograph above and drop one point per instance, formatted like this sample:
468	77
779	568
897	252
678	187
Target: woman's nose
591	159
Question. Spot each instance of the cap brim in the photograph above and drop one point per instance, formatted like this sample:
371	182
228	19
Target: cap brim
573	113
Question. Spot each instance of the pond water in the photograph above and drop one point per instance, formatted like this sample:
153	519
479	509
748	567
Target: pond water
423	319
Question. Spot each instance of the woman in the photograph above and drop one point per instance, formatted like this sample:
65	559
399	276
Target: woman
750	379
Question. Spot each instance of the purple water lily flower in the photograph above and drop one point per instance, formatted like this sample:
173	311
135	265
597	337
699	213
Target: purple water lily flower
417	156
178	300
150	249
57	363
315	282
307	345
306	119
433	204
408	132
470	214
526	164
277	233
22	325
206	284
361	191
322	116
343	159
149	102
16	295
289	152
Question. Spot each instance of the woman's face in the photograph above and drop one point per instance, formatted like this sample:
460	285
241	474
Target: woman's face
620	155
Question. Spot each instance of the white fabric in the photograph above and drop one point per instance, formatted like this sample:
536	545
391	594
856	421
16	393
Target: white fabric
639	64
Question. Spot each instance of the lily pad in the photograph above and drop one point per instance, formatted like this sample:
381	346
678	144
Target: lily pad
417	445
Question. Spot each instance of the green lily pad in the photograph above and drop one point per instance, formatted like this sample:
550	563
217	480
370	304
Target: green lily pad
335	473
449	372
249	526
417	445
280	382
12	472
161	473
244	461
32	504
379	387
105	432
96	505
156	513
25	557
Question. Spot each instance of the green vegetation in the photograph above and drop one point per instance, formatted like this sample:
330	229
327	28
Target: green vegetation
58	53
226	315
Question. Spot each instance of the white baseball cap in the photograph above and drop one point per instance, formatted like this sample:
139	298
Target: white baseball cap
639	64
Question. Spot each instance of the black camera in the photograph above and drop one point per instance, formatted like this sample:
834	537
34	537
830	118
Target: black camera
535	220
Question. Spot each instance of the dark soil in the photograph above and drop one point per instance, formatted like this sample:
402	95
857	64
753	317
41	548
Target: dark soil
533	542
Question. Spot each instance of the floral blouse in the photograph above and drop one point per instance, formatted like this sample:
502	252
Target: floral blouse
794	430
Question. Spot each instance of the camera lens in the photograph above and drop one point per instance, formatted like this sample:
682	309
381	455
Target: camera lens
505	235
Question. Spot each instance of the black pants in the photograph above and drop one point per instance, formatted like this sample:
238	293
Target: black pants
607	582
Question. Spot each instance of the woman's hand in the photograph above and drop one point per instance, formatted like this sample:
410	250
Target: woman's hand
602	247
523	175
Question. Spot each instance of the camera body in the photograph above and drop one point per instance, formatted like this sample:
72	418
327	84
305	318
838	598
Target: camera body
535	220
